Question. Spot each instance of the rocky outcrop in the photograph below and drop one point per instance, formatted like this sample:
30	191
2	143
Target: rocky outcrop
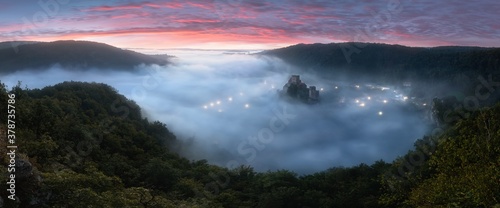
297	89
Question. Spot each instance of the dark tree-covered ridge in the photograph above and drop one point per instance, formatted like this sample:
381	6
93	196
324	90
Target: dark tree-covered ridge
71	55
83	144
393	62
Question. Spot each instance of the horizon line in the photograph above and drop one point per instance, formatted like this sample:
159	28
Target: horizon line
240	49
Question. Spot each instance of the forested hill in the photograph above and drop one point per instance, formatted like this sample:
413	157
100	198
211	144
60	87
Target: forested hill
70	54
394	62
85	145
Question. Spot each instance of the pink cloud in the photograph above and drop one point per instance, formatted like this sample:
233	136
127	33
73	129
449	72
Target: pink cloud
201	5
113	8
171	5
196	21
123	16
255	21
398	34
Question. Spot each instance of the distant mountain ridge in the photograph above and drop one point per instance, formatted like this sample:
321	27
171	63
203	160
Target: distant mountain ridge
391	61
14	44
71	55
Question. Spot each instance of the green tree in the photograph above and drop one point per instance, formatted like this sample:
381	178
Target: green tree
467	165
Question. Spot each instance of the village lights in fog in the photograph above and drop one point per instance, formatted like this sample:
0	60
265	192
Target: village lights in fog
234	110
380	113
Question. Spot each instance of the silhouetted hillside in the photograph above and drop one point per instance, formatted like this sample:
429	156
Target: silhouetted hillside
15	44
392	62
71	54
83	144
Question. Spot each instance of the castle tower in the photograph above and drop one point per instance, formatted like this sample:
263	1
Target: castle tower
294	79
313	94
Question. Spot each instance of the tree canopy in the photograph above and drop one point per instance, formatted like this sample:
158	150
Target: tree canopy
83	144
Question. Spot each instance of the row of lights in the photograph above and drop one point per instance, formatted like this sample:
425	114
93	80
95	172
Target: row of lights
218	103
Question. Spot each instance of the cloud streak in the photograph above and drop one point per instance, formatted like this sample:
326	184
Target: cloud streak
415	23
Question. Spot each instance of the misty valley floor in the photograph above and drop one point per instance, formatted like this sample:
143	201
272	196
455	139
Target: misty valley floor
220	106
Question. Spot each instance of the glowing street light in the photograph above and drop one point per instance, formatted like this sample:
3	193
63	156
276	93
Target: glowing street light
385	101
380	113
247	106
230	99
362	105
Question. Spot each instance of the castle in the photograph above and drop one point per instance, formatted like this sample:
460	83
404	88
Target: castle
295	88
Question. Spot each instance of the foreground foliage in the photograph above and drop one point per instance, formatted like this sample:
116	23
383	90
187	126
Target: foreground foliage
85	145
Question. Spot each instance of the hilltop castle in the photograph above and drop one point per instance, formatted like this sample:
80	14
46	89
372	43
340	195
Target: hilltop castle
295	88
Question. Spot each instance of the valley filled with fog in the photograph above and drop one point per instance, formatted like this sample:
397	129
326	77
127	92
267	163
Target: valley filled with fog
224	107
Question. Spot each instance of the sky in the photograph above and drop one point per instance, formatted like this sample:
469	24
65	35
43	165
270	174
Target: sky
237	24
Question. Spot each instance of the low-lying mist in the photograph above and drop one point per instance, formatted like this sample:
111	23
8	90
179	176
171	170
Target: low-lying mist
225	108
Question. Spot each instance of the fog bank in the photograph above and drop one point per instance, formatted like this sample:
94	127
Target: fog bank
225	108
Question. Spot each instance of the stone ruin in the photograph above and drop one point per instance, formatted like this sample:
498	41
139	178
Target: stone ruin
297	89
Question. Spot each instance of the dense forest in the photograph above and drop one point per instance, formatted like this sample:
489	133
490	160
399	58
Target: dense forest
15	56
391	63
85	145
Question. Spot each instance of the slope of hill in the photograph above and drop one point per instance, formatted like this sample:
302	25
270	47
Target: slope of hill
83	144
393	62
71	54
14	44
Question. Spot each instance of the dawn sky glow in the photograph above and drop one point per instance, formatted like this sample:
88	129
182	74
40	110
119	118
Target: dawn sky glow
226	24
